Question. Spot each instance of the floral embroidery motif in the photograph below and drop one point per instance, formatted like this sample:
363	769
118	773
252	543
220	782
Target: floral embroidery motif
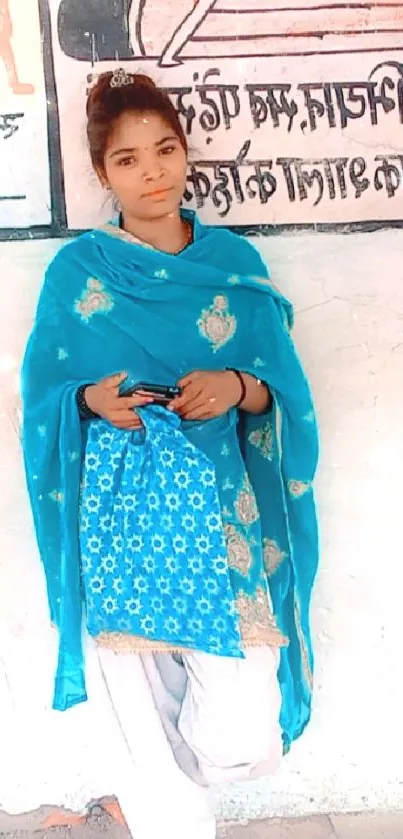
263	439
62	354
234	279
161	274
257	622
306	667
245	504
57	496
94	300
258	362
298	488
272	555
216	324
239	553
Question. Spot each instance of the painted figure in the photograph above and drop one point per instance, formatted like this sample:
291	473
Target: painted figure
93	31
170	33
190	24
7	52
188	18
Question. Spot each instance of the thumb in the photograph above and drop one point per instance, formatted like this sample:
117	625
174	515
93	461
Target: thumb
112	382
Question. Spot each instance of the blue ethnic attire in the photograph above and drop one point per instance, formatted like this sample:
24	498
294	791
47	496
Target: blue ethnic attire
226	505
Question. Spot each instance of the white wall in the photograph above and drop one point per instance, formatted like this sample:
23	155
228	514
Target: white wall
348	295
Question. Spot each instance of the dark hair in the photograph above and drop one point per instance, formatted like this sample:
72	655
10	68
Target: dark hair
106	103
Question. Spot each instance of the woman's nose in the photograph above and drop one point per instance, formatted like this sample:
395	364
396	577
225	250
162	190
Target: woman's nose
153	172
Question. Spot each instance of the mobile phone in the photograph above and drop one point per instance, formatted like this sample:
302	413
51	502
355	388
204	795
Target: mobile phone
163	394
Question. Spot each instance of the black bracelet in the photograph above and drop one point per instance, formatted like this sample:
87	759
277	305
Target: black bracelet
242	383
85	412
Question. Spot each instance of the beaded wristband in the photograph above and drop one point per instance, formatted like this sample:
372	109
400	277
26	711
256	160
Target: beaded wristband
85	412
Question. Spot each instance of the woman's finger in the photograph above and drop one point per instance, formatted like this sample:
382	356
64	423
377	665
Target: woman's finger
199	403
189	378
126	402
114	381
124	416
190	392
127	425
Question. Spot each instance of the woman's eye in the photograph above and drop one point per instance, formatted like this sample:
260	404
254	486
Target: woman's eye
167	149
126	161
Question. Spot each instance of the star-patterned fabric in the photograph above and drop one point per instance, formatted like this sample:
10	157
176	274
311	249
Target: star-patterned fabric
153	550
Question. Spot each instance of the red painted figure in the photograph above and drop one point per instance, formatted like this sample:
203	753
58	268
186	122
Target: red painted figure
7	52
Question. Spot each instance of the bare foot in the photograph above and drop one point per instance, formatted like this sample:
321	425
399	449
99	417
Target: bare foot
21	89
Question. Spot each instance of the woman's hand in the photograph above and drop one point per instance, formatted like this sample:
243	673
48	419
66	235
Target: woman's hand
206	394
103	398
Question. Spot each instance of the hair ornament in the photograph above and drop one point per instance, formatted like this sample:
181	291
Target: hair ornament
121	78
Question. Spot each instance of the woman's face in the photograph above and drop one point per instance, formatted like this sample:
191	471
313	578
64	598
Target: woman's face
145	165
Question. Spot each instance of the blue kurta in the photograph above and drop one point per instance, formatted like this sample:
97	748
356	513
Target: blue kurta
109	304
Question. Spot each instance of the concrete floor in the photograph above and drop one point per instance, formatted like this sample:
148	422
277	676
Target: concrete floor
376	825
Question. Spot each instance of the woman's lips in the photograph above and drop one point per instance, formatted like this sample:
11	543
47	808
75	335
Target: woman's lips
158	193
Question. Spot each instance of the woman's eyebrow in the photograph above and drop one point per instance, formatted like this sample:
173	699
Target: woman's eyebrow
130	151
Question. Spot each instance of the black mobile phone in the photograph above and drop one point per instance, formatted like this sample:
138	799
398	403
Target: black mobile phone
163	393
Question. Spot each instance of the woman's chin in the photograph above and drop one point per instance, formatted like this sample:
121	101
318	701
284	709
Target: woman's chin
163	209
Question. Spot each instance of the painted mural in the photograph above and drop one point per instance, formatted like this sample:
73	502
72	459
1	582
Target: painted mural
24	158
294	111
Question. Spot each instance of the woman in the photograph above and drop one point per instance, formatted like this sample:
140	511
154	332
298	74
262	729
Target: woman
170	301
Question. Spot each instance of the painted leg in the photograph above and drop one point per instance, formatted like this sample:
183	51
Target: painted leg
6	52
185	31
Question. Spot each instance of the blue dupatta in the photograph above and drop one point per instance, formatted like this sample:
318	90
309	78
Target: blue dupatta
109	304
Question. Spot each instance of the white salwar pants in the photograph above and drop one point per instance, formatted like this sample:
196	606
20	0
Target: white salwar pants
189	722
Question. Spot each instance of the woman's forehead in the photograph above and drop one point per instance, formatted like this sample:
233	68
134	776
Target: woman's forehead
141	129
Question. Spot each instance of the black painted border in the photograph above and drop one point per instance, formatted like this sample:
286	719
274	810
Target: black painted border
57	191
13	234
58	228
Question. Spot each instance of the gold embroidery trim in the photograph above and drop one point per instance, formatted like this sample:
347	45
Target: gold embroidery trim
118	233
120	642
302	643
238	550
257	624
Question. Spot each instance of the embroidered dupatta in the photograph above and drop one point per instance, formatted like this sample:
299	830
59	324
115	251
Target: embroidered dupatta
109	304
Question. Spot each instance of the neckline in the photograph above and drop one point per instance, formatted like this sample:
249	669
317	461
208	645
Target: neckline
118	230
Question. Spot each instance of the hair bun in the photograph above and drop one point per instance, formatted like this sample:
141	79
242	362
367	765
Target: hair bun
141	80
108	83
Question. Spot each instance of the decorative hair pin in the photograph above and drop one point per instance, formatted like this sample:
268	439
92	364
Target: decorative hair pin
120	78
